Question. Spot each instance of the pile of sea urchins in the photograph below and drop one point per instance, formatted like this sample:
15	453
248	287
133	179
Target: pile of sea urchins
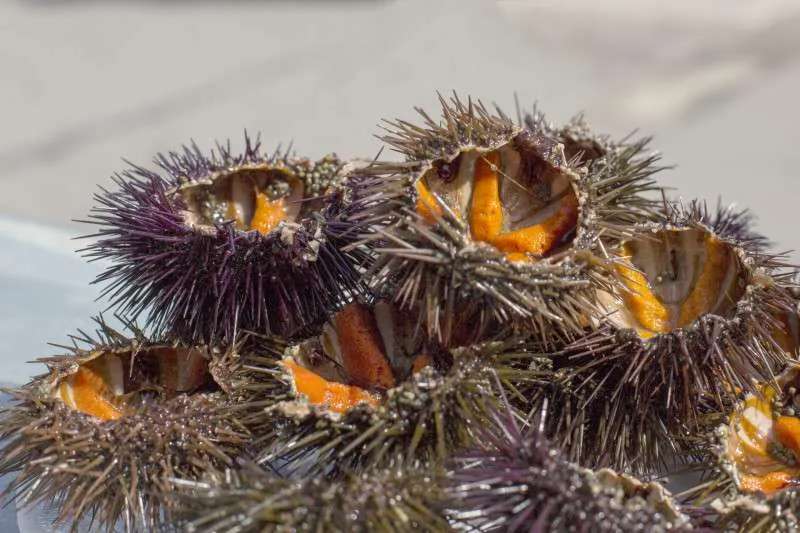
510	329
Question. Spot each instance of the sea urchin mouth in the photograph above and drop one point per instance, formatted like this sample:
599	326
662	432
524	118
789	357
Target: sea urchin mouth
512	196
673	277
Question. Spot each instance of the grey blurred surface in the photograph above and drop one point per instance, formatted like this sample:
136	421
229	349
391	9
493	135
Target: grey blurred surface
86	83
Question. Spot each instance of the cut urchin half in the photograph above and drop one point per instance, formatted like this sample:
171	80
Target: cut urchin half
515	480
223	242
254	500
756	455
102	431
691	323
368	390
491	218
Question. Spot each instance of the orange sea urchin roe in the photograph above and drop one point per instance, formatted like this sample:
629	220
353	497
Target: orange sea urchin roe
755	430
709	284
486	209
86	391
648	309
268	213
427	206
337	397
645	306
363	356
486	216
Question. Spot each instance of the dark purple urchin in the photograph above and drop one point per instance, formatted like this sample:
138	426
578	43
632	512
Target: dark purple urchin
252	500
626	395
532	257
99	435
222	242
515	480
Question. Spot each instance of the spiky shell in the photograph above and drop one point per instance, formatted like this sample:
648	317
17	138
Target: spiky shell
432	252
634	386
754	457
321	406
515	480
420	420
176	254
250	500
113	467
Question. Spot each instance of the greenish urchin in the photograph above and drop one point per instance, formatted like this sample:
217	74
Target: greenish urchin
751	462
491	222
251	500
98	436
693	324
368	390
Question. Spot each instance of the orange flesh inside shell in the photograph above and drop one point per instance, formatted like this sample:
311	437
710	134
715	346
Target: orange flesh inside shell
709	285
486	210
652	315
112	384
487	217
363	355
86	391
427	206
337	397
268	213
755	432
645	306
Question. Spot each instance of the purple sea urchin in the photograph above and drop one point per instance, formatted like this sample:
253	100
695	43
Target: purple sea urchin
691	327
516	481
251	500
226	241
493	219
102	431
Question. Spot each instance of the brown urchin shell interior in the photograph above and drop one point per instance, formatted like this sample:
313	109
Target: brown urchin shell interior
672	277
253	198
510	197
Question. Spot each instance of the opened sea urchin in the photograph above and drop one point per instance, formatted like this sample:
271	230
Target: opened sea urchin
99	435
369	390
690	326
492	219
224	241
756	460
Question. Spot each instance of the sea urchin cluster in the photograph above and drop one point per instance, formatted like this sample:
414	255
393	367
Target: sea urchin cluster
494	333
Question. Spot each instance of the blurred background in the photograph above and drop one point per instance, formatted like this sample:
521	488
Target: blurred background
86	83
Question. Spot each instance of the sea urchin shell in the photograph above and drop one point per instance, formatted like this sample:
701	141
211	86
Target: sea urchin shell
226	241
103	430
516	481
689	327
493	219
